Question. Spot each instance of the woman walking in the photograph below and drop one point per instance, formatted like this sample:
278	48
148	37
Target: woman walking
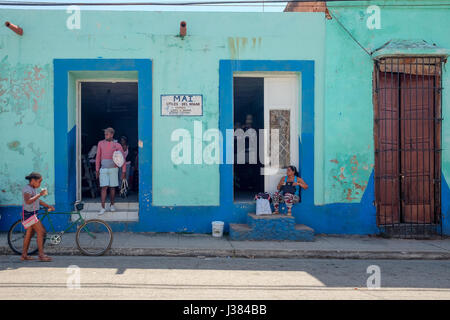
31	205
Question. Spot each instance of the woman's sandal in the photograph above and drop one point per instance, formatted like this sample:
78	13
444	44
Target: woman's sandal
45	258
26	258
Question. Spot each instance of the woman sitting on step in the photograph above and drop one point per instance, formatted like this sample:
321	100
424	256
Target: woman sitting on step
289	190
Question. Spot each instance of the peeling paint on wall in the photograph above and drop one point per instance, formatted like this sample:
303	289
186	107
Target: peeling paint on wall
11	187
37	159
22	89
349	176
24	117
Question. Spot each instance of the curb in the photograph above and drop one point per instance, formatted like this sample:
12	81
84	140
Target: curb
252	253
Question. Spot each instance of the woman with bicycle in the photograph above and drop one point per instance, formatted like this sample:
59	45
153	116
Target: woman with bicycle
31	204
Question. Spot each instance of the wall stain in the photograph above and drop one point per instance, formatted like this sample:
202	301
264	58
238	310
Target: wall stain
232	48
238	44
244	42
15	146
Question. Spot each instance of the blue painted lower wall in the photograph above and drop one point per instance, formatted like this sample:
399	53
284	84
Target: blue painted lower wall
355	218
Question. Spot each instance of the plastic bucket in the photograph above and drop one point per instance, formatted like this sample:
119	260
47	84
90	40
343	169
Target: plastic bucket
217	228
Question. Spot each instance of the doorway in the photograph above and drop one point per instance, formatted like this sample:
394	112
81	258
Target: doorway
103	104
264	101
407	133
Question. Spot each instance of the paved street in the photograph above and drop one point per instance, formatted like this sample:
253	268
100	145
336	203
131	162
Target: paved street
116	277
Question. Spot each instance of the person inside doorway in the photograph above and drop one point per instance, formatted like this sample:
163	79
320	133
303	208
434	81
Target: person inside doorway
105	168
248	171
289	190
127	155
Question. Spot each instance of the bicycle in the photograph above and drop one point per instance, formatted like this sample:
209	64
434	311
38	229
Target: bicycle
88	234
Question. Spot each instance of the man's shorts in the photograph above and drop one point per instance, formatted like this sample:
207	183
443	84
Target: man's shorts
109	177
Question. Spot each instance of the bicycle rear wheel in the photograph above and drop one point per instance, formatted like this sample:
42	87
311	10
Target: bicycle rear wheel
16	235
94	237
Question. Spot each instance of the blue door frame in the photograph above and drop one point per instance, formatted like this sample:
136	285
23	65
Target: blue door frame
306	143
65	138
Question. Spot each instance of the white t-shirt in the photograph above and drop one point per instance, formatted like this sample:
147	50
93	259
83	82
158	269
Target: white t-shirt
32	191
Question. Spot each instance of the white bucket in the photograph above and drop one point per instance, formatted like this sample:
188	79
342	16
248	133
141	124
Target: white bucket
217	228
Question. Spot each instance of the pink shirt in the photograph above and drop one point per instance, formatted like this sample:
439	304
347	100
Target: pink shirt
105	150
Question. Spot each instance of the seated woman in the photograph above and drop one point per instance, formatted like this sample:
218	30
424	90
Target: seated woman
289	190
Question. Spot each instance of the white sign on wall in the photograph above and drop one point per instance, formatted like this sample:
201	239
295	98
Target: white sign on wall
181	105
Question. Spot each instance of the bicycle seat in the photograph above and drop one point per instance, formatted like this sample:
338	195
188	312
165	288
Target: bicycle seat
79	205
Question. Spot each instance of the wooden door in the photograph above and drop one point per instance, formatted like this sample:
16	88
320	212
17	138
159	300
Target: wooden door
387	166
417	148
406	139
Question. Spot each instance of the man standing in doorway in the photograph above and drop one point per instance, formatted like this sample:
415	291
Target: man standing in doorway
106	169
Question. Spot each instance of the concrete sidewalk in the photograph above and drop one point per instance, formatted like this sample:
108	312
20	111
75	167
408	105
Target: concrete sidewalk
194	245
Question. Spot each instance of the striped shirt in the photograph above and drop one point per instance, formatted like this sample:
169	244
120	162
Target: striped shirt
105	150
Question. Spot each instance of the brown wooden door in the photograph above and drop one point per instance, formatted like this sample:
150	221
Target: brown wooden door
387	169
405	160
417	148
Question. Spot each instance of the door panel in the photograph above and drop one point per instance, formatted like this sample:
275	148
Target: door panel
417	145
280	112
387	191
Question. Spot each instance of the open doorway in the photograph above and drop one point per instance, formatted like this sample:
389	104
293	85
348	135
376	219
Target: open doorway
248	115
268	101
102	105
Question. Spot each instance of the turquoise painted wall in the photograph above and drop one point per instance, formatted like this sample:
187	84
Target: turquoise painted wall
343	111
189	65
349	146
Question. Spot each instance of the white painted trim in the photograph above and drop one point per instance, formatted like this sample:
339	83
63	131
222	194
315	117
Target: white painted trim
78	140
268	74
112	80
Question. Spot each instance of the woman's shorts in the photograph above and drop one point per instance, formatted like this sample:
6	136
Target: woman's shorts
109	177
27	214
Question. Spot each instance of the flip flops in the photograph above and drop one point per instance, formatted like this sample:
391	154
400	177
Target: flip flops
45	258
27	258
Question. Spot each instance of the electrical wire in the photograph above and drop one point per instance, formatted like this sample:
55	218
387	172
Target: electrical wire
349	33
220	2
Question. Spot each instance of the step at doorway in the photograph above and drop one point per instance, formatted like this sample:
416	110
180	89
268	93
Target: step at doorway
125	212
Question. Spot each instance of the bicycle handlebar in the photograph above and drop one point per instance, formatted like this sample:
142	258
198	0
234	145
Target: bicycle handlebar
78	207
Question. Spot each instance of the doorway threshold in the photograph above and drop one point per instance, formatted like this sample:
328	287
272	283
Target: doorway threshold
125	212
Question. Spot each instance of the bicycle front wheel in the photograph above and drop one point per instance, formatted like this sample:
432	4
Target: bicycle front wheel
94	237
16	235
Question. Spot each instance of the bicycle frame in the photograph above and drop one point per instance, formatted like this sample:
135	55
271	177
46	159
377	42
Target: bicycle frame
88	227
46	214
